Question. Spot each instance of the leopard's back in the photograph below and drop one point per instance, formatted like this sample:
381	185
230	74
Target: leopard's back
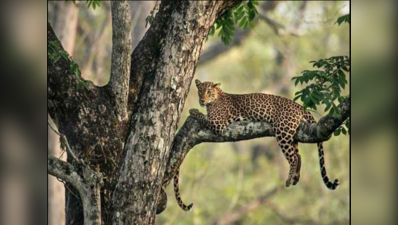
254	107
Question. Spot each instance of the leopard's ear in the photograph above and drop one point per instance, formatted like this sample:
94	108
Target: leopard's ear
197	82
217	85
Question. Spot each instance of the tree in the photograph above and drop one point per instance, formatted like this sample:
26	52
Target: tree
121	139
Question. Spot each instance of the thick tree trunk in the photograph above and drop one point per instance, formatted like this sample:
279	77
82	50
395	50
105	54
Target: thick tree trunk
166	58
174	43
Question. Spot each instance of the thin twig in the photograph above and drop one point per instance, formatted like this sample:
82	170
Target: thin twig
65	141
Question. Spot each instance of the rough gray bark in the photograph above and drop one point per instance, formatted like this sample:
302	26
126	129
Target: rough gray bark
121	50
86	181
88	120
174	42
192	133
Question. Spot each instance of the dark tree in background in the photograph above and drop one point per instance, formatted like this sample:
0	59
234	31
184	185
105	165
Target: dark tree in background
121	138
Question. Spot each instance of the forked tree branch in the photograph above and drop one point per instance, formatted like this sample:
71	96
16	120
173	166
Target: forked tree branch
192	133
86	181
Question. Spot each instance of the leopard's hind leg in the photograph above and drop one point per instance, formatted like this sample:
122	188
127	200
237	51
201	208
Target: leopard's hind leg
285	141
296	177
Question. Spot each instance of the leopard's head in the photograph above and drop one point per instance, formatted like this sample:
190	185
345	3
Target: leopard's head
208	92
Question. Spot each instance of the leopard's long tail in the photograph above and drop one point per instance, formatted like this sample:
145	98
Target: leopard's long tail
177	193
330	185
325	178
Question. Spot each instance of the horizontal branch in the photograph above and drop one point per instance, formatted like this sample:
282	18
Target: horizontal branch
192	133
64	171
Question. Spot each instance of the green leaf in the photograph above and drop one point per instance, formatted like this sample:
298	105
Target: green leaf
255	3
296	82
242	22
337	132
212	31
79	85
245	24
252	15
250	5
331	112
78	73
297	97
251	24
342	19
347	125
328	107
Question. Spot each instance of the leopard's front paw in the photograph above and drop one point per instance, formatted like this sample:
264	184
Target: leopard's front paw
195	113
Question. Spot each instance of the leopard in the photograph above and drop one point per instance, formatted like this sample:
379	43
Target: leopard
284	116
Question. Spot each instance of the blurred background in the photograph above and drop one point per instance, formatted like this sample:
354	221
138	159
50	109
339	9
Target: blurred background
230	183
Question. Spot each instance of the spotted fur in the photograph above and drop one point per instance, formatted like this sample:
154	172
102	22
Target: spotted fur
162	199
283	114
177	193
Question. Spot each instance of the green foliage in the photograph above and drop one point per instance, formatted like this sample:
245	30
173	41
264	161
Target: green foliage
342	19
93	3
241	15
324	86
344	128
74	68
55	53
149	19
